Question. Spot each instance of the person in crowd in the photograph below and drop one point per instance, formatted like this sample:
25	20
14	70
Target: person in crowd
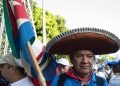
115	78
63	65
82	44
95	68
101	72
108	72
14	73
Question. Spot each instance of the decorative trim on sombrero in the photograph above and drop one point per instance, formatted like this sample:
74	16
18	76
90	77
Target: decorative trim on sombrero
78	31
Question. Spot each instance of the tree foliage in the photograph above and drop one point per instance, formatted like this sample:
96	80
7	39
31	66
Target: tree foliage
55	24
0	10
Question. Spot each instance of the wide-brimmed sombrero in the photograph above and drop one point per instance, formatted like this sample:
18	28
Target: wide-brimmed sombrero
97	40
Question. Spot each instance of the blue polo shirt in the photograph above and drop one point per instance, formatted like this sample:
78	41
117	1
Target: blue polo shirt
73	82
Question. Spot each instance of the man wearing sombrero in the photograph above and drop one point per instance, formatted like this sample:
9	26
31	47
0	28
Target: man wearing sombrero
81	45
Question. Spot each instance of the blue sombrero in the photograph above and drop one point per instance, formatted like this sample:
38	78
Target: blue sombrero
115	61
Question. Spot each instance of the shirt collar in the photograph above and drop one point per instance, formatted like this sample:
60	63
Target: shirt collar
93	77
20	82
72	74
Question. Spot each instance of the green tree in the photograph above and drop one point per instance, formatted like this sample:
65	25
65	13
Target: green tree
0	10
55	24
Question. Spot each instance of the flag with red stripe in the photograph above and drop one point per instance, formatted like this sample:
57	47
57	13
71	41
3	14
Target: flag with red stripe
19	30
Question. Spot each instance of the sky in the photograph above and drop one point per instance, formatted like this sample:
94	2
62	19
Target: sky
103	14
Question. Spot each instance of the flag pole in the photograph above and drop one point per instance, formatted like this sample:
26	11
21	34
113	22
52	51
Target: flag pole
37	68
44	22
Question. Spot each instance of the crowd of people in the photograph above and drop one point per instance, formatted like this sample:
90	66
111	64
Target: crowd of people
81	44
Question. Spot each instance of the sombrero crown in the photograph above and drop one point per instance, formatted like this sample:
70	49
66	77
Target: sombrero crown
97	40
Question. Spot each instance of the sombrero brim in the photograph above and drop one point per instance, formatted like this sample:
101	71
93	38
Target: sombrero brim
96	40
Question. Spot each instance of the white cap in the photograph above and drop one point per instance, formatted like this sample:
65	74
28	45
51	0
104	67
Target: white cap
9	59
63	61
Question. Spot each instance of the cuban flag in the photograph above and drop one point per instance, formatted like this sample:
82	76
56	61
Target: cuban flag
19	31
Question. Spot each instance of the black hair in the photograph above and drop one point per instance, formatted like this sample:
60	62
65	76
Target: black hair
21	70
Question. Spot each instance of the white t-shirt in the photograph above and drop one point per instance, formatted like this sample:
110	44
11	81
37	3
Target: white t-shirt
23	82
101	74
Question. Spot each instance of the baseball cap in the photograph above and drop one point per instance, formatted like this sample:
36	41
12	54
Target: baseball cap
63	61
9	59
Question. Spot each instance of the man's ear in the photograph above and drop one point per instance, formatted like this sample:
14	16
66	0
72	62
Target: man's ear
71	59
94	60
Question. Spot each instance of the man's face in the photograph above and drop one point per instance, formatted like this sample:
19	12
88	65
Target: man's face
82	61
5	71
63	68
116	68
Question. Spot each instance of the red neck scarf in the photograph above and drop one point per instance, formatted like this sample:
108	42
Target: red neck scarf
74	75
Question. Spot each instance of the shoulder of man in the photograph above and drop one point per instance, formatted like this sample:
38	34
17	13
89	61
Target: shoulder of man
54	82
101	81
62	79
